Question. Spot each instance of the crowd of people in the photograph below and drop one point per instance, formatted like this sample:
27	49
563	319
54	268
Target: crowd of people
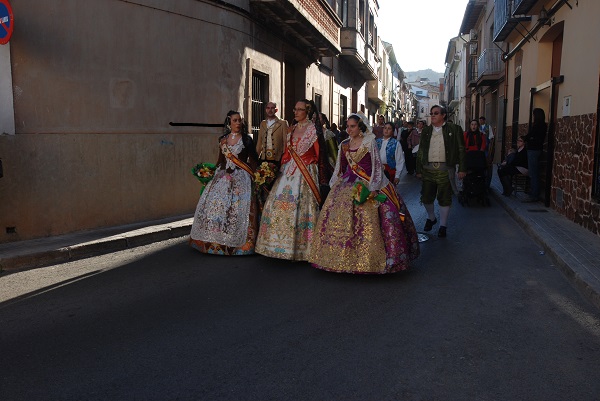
335	202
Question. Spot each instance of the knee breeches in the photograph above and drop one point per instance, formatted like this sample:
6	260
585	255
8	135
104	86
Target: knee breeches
436	184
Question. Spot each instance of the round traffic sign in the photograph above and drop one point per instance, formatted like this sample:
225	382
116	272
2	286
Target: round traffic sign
6	22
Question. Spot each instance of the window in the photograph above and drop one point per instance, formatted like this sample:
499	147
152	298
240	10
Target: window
318	101
341	9
343	110
371	28
260	84
361	18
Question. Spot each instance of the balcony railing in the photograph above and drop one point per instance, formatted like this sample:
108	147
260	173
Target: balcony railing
451	94
503	23
489	62
522	6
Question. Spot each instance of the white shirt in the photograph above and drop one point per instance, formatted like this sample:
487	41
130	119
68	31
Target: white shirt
399	156
271	122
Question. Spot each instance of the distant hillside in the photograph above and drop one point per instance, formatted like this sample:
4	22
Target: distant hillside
433	76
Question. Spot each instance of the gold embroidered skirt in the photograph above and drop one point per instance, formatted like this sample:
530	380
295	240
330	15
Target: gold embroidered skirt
348	237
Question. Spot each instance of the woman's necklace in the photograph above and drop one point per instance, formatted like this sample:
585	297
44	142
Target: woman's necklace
355	144
303	123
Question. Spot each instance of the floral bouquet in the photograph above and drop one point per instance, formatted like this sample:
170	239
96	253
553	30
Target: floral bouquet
204	172
264	175
361	194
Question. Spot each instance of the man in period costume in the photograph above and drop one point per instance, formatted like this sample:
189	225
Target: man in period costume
272	135
441	148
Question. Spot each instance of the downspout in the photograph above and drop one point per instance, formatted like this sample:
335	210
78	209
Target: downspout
505	111
539	24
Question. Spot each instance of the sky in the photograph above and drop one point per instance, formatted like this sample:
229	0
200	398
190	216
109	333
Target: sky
420	30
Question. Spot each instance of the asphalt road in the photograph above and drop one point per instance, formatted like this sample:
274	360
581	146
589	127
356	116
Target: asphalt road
482	316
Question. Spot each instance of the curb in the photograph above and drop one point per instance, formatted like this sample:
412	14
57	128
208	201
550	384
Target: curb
46	257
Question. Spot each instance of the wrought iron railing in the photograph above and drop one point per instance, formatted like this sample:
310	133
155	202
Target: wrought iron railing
489	62
472	70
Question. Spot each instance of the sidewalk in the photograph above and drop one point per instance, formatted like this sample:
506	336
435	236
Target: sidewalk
576	251
41	252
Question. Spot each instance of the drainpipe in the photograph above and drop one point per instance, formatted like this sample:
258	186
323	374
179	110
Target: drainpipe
505	111
539	24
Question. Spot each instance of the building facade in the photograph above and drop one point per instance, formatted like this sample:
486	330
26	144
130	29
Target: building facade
540	56
86	139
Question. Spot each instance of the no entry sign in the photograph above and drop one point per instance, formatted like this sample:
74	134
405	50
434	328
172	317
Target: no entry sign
6	22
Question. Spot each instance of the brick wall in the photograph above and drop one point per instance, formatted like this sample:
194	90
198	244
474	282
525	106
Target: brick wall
573	171
325	22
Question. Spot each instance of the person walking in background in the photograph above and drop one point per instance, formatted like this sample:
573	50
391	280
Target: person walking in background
292	207
225	221
486	130
367	236
534	141
378	128
413	139
515	163
475	146
475	140
336	132
441	148
403	139
330	140
391	154
271	136
397	129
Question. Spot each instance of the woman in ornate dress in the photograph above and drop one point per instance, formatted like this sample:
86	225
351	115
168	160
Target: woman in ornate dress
372	237
292	207
226	221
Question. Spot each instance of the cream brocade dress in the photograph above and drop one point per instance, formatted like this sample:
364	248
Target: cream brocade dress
291	210
225	220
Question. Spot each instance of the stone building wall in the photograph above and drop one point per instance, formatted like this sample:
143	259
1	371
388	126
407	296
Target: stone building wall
573	171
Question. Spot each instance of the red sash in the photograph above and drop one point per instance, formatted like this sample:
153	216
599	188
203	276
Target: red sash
305	173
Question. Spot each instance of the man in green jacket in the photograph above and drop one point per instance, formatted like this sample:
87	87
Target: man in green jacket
441	148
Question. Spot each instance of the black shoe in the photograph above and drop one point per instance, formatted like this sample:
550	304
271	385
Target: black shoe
530	200
429	224
442	232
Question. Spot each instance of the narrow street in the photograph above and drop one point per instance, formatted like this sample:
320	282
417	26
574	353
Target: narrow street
483	316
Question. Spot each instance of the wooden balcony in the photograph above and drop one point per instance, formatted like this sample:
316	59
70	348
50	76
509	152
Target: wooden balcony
316	27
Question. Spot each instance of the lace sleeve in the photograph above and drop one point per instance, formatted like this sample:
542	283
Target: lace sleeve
336	172
378	179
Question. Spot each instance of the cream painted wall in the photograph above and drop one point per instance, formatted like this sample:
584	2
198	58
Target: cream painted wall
581	56
580	62
7	117
93	99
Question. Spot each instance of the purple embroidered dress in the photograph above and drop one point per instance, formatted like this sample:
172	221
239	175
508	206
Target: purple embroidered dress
368	238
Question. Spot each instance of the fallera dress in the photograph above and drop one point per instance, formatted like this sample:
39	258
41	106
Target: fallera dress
225	221
291	209
368	238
